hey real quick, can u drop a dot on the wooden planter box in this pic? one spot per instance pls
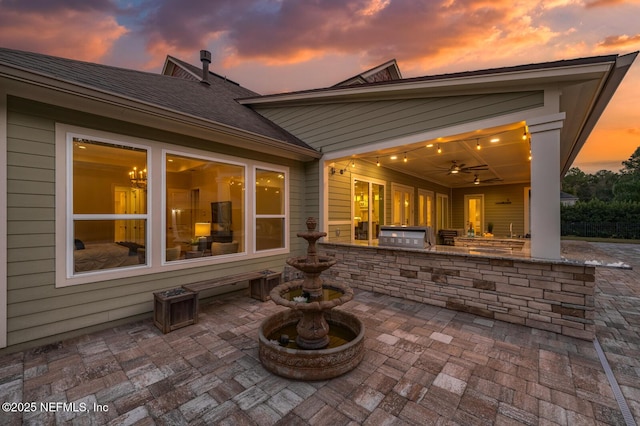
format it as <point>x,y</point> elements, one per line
<point>261,287</point>
<point>175,308</point>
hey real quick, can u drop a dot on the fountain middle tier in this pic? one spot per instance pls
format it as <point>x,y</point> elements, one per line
<point>312,283</point>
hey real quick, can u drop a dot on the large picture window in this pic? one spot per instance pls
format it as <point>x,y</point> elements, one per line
<point>136,206</point>
<point>270,203</point>
<point>109,203</point>
<point>205,208</point>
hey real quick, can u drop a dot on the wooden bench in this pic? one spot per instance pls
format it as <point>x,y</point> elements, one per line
<point>260,283</point>
<point>447,236</point>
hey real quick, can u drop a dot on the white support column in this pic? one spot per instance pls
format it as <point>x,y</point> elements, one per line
<point>545,186</point>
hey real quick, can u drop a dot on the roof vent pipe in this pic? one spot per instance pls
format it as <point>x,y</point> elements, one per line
<point>205,58</point>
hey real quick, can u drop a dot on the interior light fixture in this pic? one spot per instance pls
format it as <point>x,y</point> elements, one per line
<point>439,149</point>
<point>529,155</point>
<point>494,140</point>
<point>405,157</point>
<point>429,145</point>
<point>394,157</point>
<point>476,181</point>
<point>478,147</point>
<point>524,134</point>
<point>353,163</point>
<point>377,162</point>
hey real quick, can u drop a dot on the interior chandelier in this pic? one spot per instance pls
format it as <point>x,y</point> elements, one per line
<point>138,178</point>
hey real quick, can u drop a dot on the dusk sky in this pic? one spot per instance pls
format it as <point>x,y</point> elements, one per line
<point>274,46</point>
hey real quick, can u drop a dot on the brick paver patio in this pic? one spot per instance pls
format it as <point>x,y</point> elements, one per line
<point>423,365</point>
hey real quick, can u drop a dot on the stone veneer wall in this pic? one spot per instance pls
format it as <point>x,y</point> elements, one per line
<point>548,295</point>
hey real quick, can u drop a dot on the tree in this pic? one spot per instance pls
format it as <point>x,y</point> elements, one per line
<point>576,182</point>
<point>627,188</point>
<point>632,165</point>
<point>602,185</point>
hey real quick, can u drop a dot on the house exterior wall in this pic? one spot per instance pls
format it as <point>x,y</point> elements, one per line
<point>37,308</point>
<point>547,295</point>
<point>337,126</point>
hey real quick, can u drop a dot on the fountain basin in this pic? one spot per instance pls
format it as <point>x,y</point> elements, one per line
<point>305,364</point>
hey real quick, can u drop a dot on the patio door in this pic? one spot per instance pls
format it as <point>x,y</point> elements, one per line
<point>425,207</point>
<point>402,205</point>
<point>368,209</point>
<point>442,211</point>
<point>474,213</point>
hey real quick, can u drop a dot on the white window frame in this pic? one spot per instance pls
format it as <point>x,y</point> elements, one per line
<point>255,216</point>
<point>212,157</point>
<point>156,202</point>
<point>65,274</point>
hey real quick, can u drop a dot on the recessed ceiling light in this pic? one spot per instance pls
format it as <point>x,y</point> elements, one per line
<point>429,145</point>
<point>394,157</point>
<point>494,140</point>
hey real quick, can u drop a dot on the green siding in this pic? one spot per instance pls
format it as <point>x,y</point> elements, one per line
<point>495,210</point>
<point>39,310</point>
<point>338,126</point>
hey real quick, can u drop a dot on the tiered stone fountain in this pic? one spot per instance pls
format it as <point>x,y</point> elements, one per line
<point>310,341</point>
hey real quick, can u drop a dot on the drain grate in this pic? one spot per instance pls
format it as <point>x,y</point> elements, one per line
<point>617,392</point>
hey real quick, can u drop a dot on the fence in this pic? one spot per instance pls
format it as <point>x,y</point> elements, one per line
<point>624,230</point>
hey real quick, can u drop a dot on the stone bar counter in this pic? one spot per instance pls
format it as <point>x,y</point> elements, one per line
<point>555,296</point>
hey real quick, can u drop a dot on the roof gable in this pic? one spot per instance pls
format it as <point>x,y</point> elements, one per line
<point>384,72</point>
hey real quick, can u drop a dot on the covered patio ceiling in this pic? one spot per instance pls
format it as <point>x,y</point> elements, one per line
<point>503,158</point>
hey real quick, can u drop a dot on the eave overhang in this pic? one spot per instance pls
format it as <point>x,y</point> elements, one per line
<point>448,84</point>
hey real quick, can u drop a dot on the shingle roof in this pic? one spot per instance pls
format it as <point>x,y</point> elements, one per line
<point>215,102</point>
<point>465,74</point>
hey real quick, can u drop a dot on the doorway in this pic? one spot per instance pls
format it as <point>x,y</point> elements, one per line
<point>402,197</point>
<point>129,201</point>
<point>368,209</point>
<point>442,211</point>
<point>425,207</point>
<point>474,213</point>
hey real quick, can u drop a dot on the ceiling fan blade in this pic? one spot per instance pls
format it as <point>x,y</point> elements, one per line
<point>478,167</point>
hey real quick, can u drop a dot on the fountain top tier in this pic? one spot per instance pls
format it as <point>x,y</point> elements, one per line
<point>312,264</point>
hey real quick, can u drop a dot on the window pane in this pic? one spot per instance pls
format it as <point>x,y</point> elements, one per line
<point>269,192</point>
<point>108,179</point>
<point>207,193</point>
<point>269,233</point>
<point>108,244</point>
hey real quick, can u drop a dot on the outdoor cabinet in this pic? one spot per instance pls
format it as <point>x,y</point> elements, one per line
<point>175,308</point>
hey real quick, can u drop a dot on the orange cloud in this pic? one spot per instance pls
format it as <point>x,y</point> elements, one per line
<point>618,41</point>
<point>73,34</point>
<point>603,3</point>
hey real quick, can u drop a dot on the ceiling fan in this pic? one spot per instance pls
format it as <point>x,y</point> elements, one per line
<point>463,168</point>
<point>476,180</point>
